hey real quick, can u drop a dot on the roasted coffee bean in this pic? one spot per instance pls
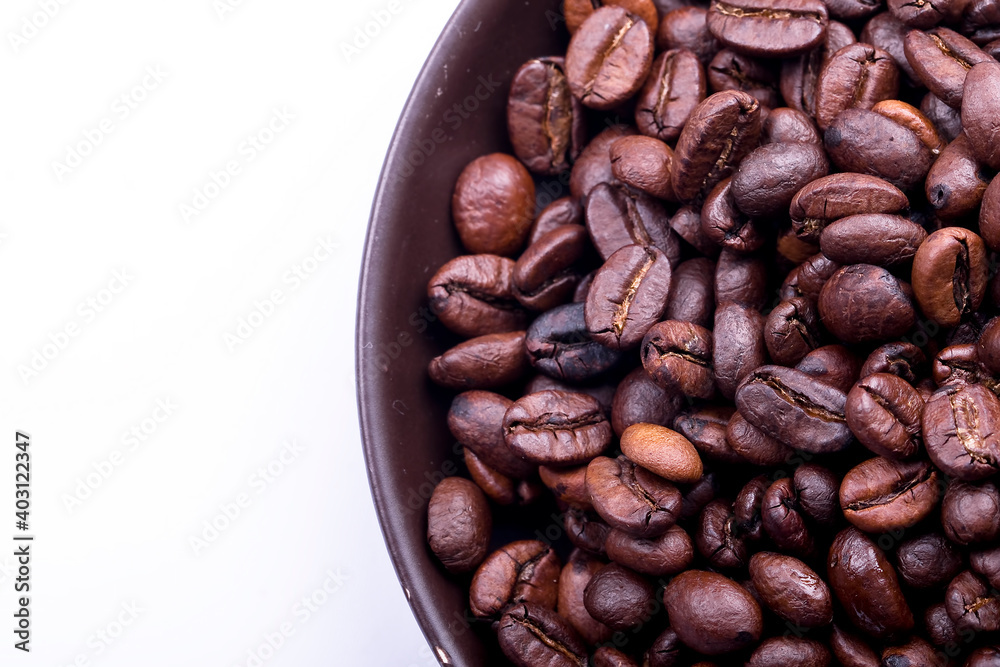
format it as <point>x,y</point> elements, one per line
<point>941,59</point>
<point>699,494</point>
<point>970,513</point>
<point>665,651</point>
<point>948,121</point>
<point>494,205</point>
<point>768,29</point>
<point>882,495</point>
<point>726,225</point>
<point>594,164</point>
<point>545,122</point>
<point>856,76</point>
<point>692,292</point>
<point>662,451</point>
<point>740,279</point>
<point>568,485</point>
<point>817,488</point>
<point>706,430</point>
<point>604,393</point>
<point>639,399</point>
<point>956,184</point>
<point>783,651</point>
<point>886,32</point>
<point>884,411</point>
<point>872,238</point>
<point>807,279</point>
<point>950,274</point>
<point>940,628</point>
<point>850,650</point>
<point>678,355</point>
<point>862,303</point>
<point>986,563</point>
<point>484,362</point>
<point>544,275</point>
<point>791,589</point>
<point>711,613</point>
<point>573,580</point>
<point>530,635</point>
<point>499,488</point>
<point>865,583</point>
<point>729,70</point>
<point>914,652</point>
<point>971,604</point>
<point>754,445</point>
<point>852,9</point>
<point>792,331</point>
<point>747,507</point>
<point>475,418</point>
<point>739,345</point>
<point>631,498</point>
<point>628,296</point>
<point>923,15</point>
<point>980,20</point>
<point>720,131</point>
<point>687,223</point>
<point>960,426</point>
<point>586,531</point>
<point>606,656</point>
<point>770,176</point>
<point>559,344</point>
<point>988,346</point>
<point>459,524</point>
<point>665,555</point>
<point>794,408</point>
<point>783,520</point>
<point>904,360</point>
<point>785,125</point>
<point>618,597</point>
<point>870,143</point>
<point>799,75</point>
<point>563,211</point>
<point>794,249</point>
<point>980,109</point>
<point>830,198</point>
<point>609,57</point>
<point>618,216</point>
<point>556,427</point>
<point>686,27</point>
<point>523,571</point>
<point>643,163</point>
<point>956,363</point>
<point>987,656</point>
<point>676,85</point>
<point>473,295</point>
<point>992,49</point>
<point>834,365</point>
<point>578,11</point>
<point>718,536</point>
<point>928,561</point>
<point>989,215</point>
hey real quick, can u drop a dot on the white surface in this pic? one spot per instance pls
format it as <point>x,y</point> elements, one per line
<point>151,353</point>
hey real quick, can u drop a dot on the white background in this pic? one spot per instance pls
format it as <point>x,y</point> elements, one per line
<point>117,301</point>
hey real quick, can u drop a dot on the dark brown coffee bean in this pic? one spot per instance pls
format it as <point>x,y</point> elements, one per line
<point>578,11</point>
<point>970,513</point>
<point>794,249</point>
<point>747,507</point>
<point>865,583</point>
<point>604,393</point>
<point>791,589</point>
<point>817,490</point>
<point>941,59</point>
<point>556,427</point>
<point>476,420</point>
<point>558,344</point>
<point>563,211</point>
<point>862,303</point>
<point>989,215</point>
<point>904,360</point>
<point>850,650</point>
<point>948,121</point>
<point>768,29</point>
<point>530,635</point>
<point>494,205</point>
<point>699,494</point>
<point>799,75</point>
<point>638,399</point>
<point>782,651</point>
<point>628,296</point>
<point>882,495</point>
<point>692,292</point>
<point>770,176</point>
<point>852,9</point>
<point>941,629</point>
<point>687,28</point>
<point>662,451</point>
<point>586,531</point>
<point>687,223</point>
<point>618,216</point>
<point>950,274</point>
<point>754,445</point>
<point>606,656</point>
<point>729,70</point>
<point>568,485</point>
<point>980,20</point>
<point>980,109</point>
<point>573,580</point>
<point>786,125</point>
<point>928,561</point>
<point>712,614</point>
<point>792,331</point>
<point>870,143</point>
<point>856,76</point>
<point>872,238</point>
<point>500,488</point>
<point>544,276</point>
<point>957,363</point>
<point>720,131</point>
<point>618,597</point>
<point>739,345</point>
<point>594,164</point>
<point>794,408</point>
<point>961,429</point>
<point>459,524</point>
<point>609,57</point>
<point>741,279</point>
<point>631,498</point>
<point>665,555</point>
<point>523,571</point>
<point>784,521</point>
<point>483,362</point>
<point>808,278</point>
<point>971,604</point>
<point>643,163</point>
<point>544,120</point>
<point>986,656</point>
<point>992,49</point>
<point>988,346</point>
<point>987,563</point>
<point>706,430</point>
<point>834,365</point>
<point>718,536</point>
<point>676,85</point>
<point>884,31</point>
<point>914,652</point>
<point>884,411</point>
<point>956,183</point>
<point>473,295</point>
<point>830,198</point>
<point>679,355</point>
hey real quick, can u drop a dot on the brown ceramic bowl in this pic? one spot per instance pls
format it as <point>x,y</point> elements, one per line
<point>406,441</point>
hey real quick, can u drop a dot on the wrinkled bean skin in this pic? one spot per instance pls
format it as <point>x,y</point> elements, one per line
<point>800,75</point>
<point>484,362</point>
<point>862,303</point>
<point>971,605</point>
<point>473,295</point>
<point>533,635</point>
<point>868,143</point>
<point>873,238</point>
<point>692,292</point>
<point>882,495</point>
<point>729,70</point>
<point>791,589</point>
<point>739,345</point>
<point>783,521</point>
<point>631,498</point>
<point>556,427</point>
<point>770,176</point>
<point>726,225</point>
<point>619,216</point>
<point>941,629</point>
<point>741,279</point>
<point>904,360</point>
<point>783,651</point>
<point>606,656</point>
<point>639,399</point>
<point>678,355</point>
<point>960,428</point>
<point>970,513</point>
<point>523,571</point>
<point>768,29</point>
<point>675,86</point>
<point>558,344</point>
<point>865,583</point>
<point>665,555</point>
<point>856,76</point>
<point>836,196</point>
<point>981,110</point>
<point>576,574</point>
<point>586,531</point>
<point>544,276</point>
<point>884,413</point>
<point>941,59</point>
<point>850,650</point>
<point>956,183</point>
<point>493,205</point>
<point>712,614</point>
<point>717,536</point>
<point>747,508</point>
<point>792,331</point>
<point>459,524</point>
<point>618,597</point>
<point>988,346</point>
<point>950,274</point>
<point>643,163</point>
<point>886,32</point>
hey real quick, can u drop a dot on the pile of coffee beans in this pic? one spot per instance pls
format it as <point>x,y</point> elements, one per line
<point>731,395</point>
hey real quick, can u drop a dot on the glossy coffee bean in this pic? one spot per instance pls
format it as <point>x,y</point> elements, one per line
<point>558,344</point>
<point>782,651</point>
<point>791,589</point>
<point>941,59</point>
<point>739,345</point>
<point>768,29</point>
<point>544,275</point>
<point>523,571</point>
<point>834,365</point>
<point>863,302</point>
<point>882,495</point>
<point>665,651</point>
<point>869,143</point>
<point>609,57</point>
<point>989,215</point>
<point>618,597</point>
<point>784,520</point>
<point>556,427</point>
<point>578,11</point>
<point>711,613</point>
<point>856,76</point>
<point>562,211</point>
<point>692,292</point>
<point>950,274</point>
<point>988,346</point>
<point>675,86</point>
<point>678,355</point>
<point>459,524</point>
<point>799,75</point>
<point>872,238</point>
<point>960,427</point>
<point>852,9</point>
<point>808,278</point>
<point>915,652</point>
<point>475,419</point>
<point>573,579</point>
<point>928,561</point>
<point>730,70</point>
<point>687,223</point>
<point>886,32</point>
<point>830,198</point>
<point>884,413</point>
<point>545,122</point>
<point>618,216</point>
<point>493,205</point>
<point>606,656</point>
<point>628,295</point>
<point>698,495</point>
<point>530,634</point>
<point>594,164</point>
<point>705,428</point>
<point>666,555</point>
<point>725,225</point>
<point>500,488</point>
<point>904,360</point>
<point>850,650</point>
<point>971,605</point>
<point>638,399</point>
<point>770,176</point>
<point>793,249</point>
<point>483,362</point>
<point>986,656</point>
<point>754,445</point>
<point>747,507</point>
<point>662,451</point>
<point>741,279</point>
<point>786,125</point>
<point>941,630</point>
<point>817,490</point>
<point>947,120</point>
<point>792,331</point>
<point>718,537</point>
<point>970,513</point>
<point>980,109</point>
<point>586,531</point>
<point>956,363</point>
<point>979,21</point>
<point>865,583</point>
<point>956,183</point>
<point>923,15</point>
<point>644,164</point>
<point>568,485</point>
<point>632,499</point>
<point>473,295</point>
